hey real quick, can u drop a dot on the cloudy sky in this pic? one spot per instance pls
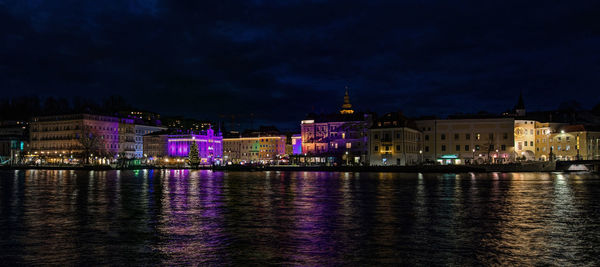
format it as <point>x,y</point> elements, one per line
<point>283,59</point>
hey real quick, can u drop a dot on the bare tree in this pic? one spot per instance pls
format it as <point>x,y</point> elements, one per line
<point>91,144</point>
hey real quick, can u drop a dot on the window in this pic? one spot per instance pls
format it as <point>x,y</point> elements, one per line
<point>426,137</point>
<point>466,147</point>
<point>505,136</point>
<point>491,147</point>
<point>491,136</point>
<point>443,137</point>
<point>559,139</point>
<point>455,136</point>
<point>477,136</point>
<point>443,147</point>
<point>568,138</point>
<point>558,148</point>
<point>531,143</point>
<point>376,136</point>
<point>426,149</point>
<point>477,147</point>
<point>531,132</point>
<point>503,147</point>
<point>457,147</point>
<point>468,136</point>
<point>376,148</point>
<point>525,143</point>
<point>398,135</point>
<point>397,147</point>
<point>567,148</point>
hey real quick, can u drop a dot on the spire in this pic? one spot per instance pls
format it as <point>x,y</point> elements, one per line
<point>520,107</point>
<point>346,107</point>
<point>520,104</point>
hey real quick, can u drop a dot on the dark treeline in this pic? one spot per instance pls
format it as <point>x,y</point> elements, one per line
<point>25,107</point>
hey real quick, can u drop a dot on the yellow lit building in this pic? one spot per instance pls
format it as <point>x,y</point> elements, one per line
<point>244,150</point>
<point>525,136</point>
<point>574,142</point>
<point>543,139</point>
<point>393,140</point>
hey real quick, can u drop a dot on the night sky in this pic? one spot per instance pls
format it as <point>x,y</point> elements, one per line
<point>283,59</point>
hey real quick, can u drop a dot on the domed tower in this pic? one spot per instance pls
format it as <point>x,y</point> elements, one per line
<point>346,107</point>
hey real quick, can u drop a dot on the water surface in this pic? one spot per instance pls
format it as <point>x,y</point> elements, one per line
<point>166,217</point>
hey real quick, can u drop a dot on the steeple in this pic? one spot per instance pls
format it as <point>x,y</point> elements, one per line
<point>520,107</point>
<point>346,107</point>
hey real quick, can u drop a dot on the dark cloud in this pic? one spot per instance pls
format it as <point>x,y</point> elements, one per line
<point>283,59</point>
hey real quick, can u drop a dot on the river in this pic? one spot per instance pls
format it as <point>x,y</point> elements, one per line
<point>170,217</point>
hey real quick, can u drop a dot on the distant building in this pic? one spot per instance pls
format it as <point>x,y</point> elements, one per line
<point>336,138</point>
<point>543,132</point>
<point>572,142</point>
<point>140,131</point>
<point>63,137</point>
<point>13,141</point>
<point>127,142</point>
<point>472,140</point>
<point>394,140</point>
<point>259,149</point>
<point>524,132</point>
<point>210,146</point>
<point>155,144</point>
<point>296,144</point>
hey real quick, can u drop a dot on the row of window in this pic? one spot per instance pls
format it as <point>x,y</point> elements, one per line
<point>468,136</point>
<point>409,148</point>
<point>407,135</point>
<point>467,148</point>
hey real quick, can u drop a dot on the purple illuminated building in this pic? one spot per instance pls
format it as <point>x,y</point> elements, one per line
<point>210,145</point>
<point>296,144</point>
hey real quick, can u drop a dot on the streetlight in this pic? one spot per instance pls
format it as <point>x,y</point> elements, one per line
<point>497,156</point>
<point>421,155</point>
<point>473,158</point>
<point>346,158</point>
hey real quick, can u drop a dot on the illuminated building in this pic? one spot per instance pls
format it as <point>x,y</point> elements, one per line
<point>394,140</point>
<point>260,149</point>
<point>336,138</point>
<point>140,132</point>
<point>155,144</point>
<point>543,132</point>
<point>573,142</point>
<point>346,107</point>
<point>12,141</point>
<point>60,137</point>
<point>210,145</point>
<point>525,139</point>
<point>296,144</point>
<point>127,143</point>
<point>468,140</point>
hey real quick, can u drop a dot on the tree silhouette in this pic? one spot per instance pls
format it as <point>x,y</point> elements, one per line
<point>90,143</point>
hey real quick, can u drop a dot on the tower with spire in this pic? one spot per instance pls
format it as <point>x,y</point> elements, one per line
<point>346,107</point>
<point>520,107</point>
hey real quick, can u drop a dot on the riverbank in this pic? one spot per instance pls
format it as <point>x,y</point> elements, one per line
<point>538,167</point>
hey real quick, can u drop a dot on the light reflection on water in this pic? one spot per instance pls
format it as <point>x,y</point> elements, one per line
<point>169,217</point>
